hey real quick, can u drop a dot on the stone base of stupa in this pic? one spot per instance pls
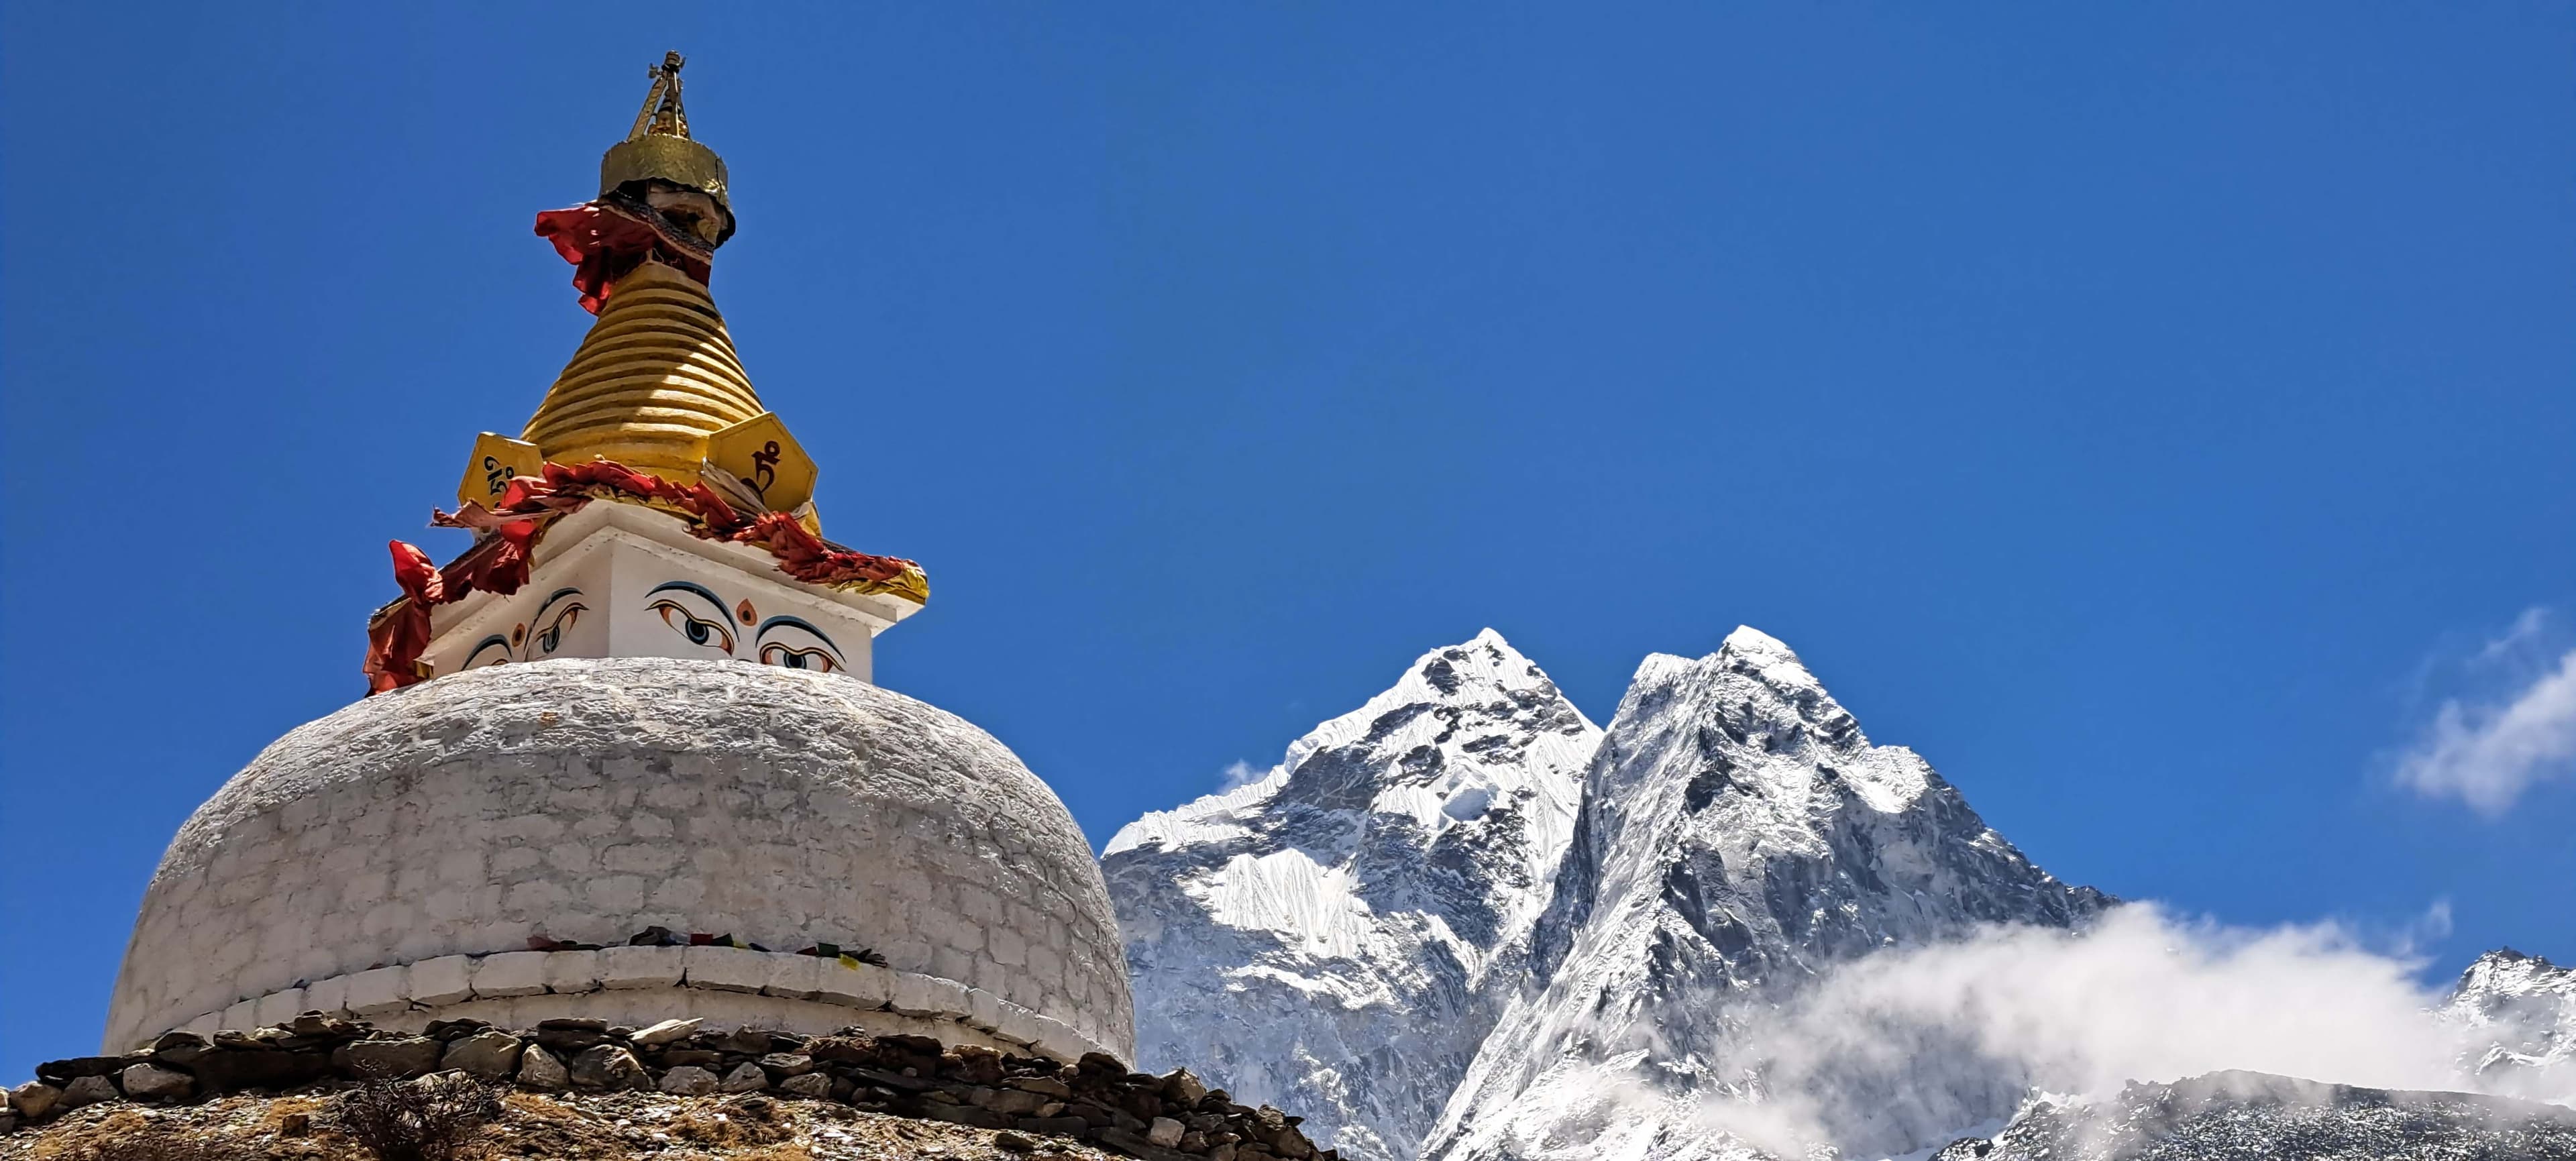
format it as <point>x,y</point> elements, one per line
<point>723,987</point>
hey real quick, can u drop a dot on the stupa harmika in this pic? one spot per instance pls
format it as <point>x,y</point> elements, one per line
<point>622,759</point>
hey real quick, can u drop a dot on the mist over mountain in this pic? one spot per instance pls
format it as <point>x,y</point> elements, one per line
<point>1460,923</point>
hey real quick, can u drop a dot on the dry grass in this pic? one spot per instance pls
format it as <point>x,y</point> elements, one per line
<point>129,1135</point>
<point>430,1119</point>
<point>787,1152</point>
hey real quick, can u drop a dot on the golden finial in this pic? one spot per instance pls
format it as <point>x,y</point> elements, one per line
<point>662,111</point>
<point>659,146</point>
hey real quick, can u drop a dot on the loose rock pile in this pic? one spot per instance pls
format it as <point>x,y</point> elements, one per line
<point>1097,1100</point>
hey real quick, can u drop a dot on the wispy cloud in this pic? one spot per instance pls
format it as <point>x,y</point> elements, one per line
<point>1239,774</point>
<point>1903,1045</point>
<point>2488,750</point>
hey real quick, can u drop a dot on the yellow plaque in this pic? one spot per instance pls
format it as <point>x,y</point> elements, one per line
<point>498,459</point>
<point>759,452</point>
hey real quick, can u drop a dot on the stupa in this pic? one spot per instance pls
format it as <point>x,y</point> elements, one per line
<point>623,758</point>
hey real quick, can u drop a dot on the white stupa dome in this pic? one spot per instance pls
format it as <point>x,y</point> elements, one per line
<point>395,858</point>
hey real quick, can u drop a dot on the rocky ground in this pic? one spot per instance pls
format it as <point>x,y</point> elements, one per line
<point>581,1089</point>
<point>533,1126</point>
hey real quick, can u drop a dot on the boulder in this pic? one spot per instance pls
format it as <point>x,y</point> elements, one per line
<point>688,1080</point>
<point>235,1069</point>
<point>64,1072</point>
<point>538,1069</point>
<point>179,1049</point>
<point>84,1091</point>
<point>1042,1085</point>
<point>490,1054</point>
<point>664,1032</point>
<point>393,1059</point>
<point>607,1066</point>
<point>812,1084</point>
<point>35,1099</point>
<point>745,1077</point>
<point>148,1082</point>
<point>571,1035</point>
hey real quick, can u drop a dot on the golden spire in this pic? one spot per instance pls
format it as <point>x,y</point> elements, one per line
<point>654,378</point>
<point>662,112</point>
<point>659,146</point>
<point>655,385</point>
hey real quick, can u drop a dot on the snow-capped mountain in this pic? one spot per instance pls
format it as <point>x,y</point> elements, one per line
<point>1738,835</point>
<point>1338,937</point>
<point>1463,924</point>
<point>2522,1009</point>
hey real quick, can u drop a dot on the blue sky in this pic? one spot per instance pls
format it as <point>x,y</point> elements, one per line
<point>2149,415</point>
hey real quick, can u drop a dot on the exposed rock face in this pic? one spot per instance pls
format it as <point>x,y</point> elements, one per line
<point>2524,1008</point>
<point>1339,936</point>
<point>1739,835</point>
<point>2251,1116</point>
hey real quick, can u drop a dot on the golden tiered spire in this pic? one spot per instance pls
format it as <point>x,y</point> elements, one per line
<point>656,385</point>
<point>654,378</point>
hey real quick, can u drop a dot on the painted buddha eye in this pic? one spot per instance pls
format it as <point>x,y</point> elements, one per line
<point>801,646</point>
<point>699,631</point>
<point>551,637</point>
<point>815,659</point>
<point>490,651</point>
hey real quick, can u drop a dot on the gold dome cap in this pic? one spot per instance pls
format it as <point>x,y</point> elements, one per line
<point>659,146</point>
<point>654,377</point>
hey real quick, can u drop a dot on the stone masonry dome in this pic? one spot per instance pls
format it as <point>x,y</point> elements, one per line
<point>394,859</point>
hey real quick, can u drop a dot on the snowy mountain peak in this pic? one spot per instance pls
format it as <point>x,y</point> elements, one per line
<point>1760,648</point>
<point>1481,683</point>
<point>2523,1009</point>
<point>2507,970</point>
<point>1338,936</point>
<point>1739,835</point>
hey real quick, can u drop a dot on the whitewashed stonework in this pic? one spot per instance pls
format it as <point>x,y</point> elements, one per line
<point>777,991</point>
<point>623,580</point>
<point>358,858</point>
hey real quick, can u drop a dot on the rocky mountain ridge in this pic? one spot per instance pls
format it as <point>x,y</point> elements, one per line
<point>1739,835</point>
<point>1340,935</point>
<point>2523,1010</point>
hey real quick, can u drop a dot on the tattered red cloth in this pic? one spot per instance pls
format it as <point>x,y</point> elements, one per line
<point>607,239</point>
<point>500,560</point>
<point>398,634</point>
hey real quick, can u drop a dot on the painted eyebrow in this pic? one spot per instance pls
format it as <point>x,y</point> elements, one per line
<point>486,643</point>
<point>685,586</point>
<point>542,606</point>
<point>799,622</point>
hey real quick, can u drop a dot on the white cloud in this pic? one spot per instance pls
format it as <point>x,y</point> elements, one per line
<point>1239,774</point>
<point>2525,630</point>
<point>1904,1046</point>
<point>2487,751</point>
